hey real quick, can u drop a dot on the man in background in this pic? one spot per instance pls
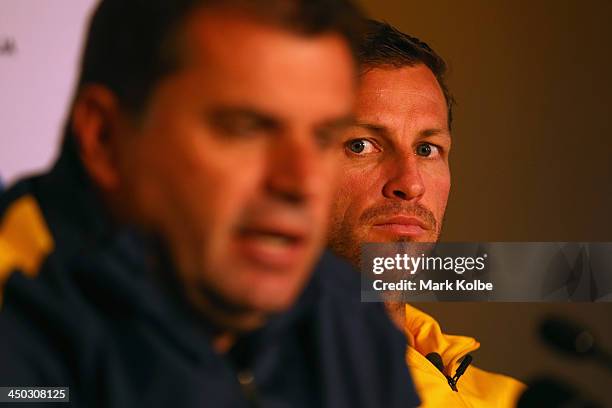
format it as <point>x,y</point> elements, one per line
<point>395,186</point>
<point>166,259</point>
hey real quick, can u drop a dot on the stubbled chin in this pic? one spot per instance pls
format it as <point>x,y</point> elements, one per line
<point>384,235</point>
<point>276,292</point>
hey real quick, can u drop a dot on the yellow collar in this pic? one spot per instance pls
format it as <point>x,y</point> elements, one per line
<point>425,336</point>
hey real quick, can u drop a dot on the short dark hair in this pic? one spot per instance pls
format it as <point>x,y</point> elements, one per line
<point>132,44</point>
<point>384,45</point>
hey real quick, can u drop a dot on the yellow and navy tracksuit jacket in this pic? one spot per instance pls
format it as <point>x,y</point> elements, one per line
<point>97,307</point>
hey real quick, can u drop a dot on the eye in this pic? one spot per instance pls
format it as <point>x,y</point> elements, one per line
<point>361,146</point>
<point>427,150</point>
<point>239,124</point>
<point>242,127</point>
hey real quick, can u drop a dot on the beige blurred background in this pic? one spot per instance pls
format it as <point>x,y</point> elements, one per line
<point>532,153</point>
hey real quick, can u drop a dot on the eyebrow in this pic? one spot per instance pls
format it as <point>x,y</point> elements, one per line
<point>384,131</point>
<point>224,115</point>
<point>340,122</point>
<point>435,132</point>
<point>239,111</point>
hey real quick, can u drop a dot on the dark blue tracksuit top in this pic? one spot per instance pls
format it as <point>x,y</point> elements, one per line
<point>106,318</point>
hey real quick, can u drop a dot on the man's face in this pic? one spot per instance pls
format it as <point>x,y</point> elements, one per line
<point>395,176</point>
<point>232,164</point>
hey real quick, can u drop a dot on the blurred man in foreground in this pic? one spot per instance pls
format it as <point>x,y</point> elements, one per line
<point>395,186</point>
<point>166,258</point>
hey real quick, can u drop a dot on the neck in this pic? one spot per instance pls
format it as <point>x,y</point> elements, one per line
<point>223,342</point>
<point>225,322</point>
<point>397,313</point>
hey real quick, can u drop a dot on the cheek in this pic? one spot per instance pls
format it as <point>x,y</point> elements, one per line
<point>437,189</point>
<point>356,189</point>
<point>186,188</point>
<point>214,187</point>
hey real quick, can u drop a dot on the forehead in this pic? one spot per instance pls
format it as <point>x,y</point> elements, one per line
<point>389,93</point>
<point>241,56</point>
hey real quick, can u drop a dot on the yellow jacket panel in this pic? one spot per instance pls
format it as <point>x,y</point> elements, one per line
<point>476,388</point>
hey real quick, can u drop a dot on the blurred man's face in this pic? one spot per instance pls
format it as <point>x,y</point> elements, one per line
<point>395,176</point>
<point>233,161</point>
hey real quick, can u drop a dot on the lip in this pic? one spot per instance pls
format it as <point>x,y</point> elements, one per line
<point>252,244</point>
<point>403,220</point>
<point>402,225</point>
<point>296,231</point>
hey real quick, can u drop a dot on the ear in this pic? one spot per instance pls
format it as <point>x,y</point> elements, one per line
<point>95,124</point>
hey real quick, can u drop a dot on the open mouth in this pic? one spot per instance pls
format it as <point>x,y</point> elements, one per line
<point>271,237</point>
<point>271,247</point>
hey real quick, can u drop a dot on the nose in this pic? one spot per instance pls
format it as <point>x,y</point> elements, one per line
<point>404,179</point>
<point>294,168</point>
